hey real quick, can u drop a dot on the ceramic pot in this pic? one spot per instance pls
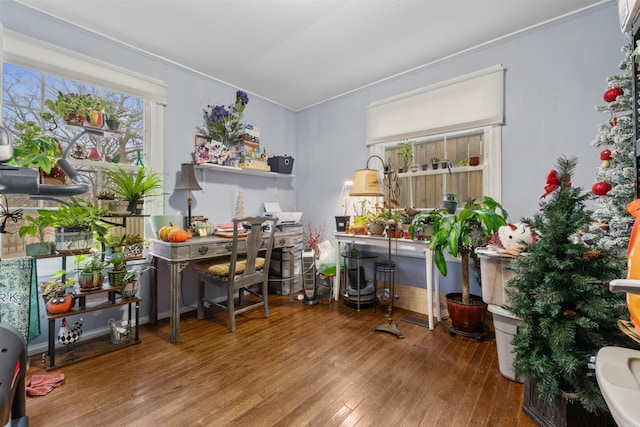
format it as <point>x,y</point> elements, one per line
<point>89,281</point>
<point>60,304</point>
<point>466,318</point>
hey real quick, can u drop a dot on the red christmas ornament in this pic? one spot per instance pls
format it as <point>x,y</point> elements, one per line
<point>605,155</point>
<point>601,188</point>
<point>612,94</point>
<point>614,120</point>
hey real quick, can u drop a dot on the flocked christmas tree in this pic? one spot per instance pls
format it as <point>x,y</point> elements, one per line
<point>560,293</point>
<point>615,177</point>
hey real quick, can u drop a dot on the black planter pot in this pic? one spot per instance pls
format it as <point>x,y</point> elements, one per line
<point>562,411</point>
<point>342,223</point>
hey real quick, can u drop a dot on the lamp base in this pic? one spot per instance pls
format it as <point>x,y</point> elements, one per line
<point>391,327</point>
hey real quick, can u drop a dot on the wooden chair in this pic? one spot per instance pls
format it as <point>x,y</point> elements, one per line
<point>242,270</point>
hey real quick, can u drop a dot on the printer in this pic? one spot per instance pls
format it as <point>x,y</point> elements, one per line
<point>272,209</point>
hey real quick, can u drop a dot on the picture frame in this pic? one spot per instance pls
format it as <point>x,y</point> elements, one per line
<point>201,149</point>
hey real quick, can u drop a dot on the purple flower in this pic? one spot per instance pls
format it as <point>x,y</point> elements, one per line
<point>219,112</point>
<point>242,97</point>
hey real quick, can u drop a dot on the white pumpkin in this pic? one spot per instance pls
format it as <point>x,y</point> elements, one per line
<point>204,228</point>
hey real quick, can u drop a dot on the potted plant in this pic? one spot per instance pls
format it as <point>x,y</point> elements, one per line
<point>406,152</point>
<point>33,149</point>
<point>560,293</point>
<point>423,224</point>
<point>435,162</point>
<point>450,202</point>
<point>71,107</point>
<point>75,224</point>
<point>91,273</point>
<point>112,117</point>
<point>130,282</point>
<point>37,227</point>
<point>459,234</point>
<point>117,274</point>
<point>134,187</point>
<point>378,222</point>
<point>113,243</point>
<point>57,294</point>
<point>134,245</point>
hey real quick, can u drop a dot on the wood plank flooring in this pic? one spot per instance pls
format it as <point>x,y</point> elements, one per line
<point>317,365</point>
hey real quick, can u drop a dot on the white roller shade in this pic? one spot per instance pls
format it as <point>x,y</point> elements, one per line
<point>472,100</point>
<point>46,57</point>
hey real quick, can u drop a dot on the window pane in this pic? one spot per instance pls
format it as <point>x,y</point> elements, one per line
<point>426,187</point>
<point>23,94</point>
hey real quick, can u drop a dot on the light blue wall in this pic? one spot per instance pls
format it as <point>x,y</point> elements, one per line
<point>555,77</point>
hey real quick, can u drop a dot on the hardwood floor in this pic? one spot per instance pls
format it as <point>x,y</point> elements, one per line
<point>317,365</point>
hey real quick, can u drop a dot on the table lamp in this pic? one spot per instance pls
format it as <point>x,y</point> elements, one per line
<point>188,182</point>
<point>366,182</point>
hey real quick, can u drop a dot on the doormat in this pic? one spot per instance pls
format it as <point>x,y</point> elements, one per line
<point>420,322</point>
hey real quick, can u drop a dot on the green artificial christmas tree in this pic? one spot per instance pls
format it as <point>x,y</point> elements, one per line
<point>615,138</point>
<point>560,292</point>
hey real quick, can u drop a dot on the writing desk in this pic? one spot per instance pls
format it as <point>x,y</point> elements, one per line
<point>179,255</point>
<point>399,247</point>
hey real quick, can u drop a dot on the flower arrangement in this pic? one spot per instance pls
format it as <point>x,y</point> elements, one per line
<point>313,236</point>
<point>222,123</point>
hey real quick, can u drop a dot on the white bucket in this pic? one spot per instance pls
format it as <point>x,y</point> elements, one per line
<point>506,326</point>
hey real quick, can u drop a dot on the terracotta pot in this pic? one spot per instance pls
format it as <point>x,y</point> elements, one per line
<point>466,318</point>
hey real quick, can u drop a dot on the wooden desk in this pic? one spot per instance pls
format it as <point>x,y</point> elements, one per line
<point>178,256</point>
<point>400,247</point>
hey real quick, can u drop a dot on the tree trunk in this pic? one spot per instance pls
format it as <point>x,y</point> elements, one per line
<point>464,256</point>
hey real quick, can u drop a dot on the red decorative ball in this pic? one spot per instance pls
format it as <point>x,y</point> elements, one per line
<point>601,188</point>
<point>612,94</point>
<point>605,155</point>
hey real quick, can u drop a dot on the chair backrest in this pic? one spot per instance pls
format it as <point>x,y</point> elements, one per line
<point>255,243</point>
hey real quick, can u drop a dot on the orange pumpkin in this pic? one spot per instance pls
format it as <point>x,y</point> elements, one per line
<point>163,233</point>
<point>178,235</point>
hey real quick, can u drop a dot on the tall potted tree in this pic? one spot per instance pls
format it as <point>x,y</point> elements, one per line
<point>459,234</point>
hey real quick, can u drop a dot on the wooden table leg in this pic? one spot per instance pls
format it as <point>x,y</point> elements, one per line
<point>175,277</point>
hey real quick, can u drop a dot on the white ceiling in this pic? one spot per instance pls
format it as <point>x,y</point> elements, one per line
<point>302,52</point>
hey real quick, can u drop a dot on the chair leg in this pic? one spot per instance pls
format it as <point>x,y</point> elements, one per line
<point>200,311</point>
<point>231,308</point>
<point>265,297</point>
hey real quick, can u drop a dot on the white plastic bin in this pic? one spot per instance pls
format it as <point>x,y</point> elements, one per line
<point>494,277</point>
<point>506,326</point>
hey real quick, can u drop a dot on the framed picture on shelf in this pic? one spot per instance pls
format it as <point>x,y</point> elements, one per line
<point>201,150</point>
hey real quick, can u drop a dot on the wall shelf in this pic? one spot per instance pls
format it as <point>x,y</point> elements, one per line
<point>439,171</point>
<point>241,171</point>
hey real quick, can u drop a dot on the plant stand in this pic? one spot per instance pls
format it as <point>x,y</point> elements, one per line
<point>563,411</point>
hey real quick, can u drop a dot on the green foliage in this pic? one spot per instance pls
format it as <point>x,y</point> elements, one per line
<point>95,263</point>
<point>37,225</point>
<point>406,152</point>
<point>134,186</point>
<point>33,149</point>
<point>560,293</point>
<point>73,105</point>
<point>80,215</point>
<point>463,231</point>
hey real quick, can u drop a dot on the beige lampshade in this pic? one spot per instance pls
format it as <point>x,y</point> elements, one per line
<point>366,182</point>
<point>188,179</point>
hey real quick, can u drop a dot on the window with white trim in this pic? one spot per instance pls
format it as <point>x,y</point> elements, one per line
<point>33,71</point>
<point>458,121</point>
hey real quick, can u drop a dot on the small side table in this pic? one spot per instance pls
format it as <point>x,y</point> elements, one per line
<point>358,255</point>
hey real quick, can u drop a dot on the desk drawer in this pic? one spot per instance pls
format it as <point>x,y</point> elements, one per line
<point>282,240</point>
<point>225,248</point>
